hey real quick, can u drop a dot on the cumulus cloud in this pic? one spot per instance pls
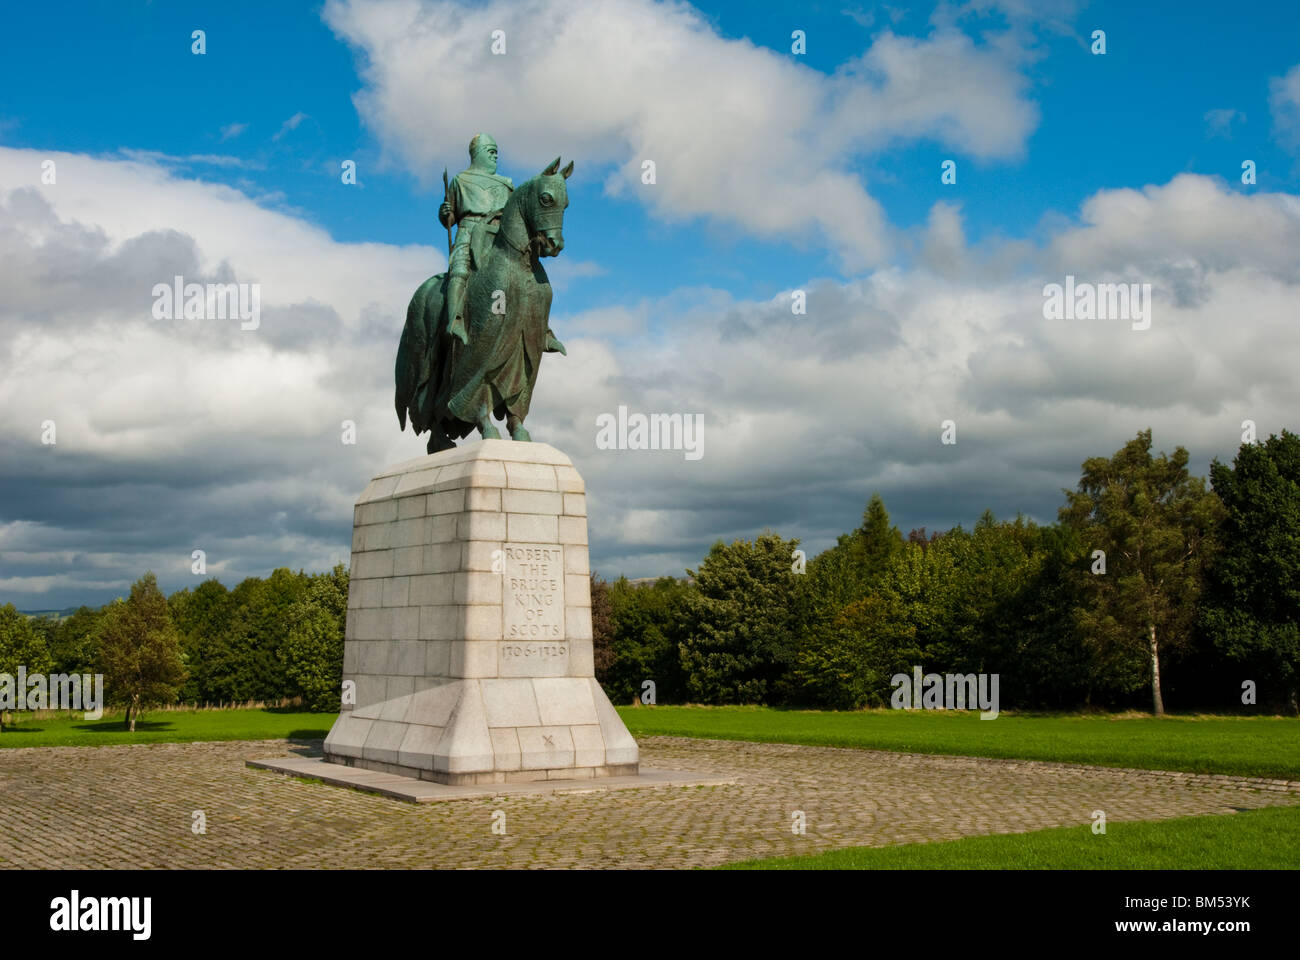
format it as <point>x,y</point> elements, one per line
<point>182,435</point>
<point>1284,104</point>
<point>173,435</point>
<point>737,132</point>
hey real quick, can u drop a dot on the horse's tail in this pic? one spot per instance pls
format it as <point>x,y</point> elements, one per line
<point>415,361</point>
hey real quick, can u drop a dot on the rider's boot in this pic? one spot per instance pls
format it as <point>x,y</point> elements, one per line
<point>456,308</point>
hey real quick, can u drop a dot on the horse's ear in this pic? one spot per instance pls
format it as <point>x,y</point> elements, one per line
<point>550,171</point>
<point>568,170</point>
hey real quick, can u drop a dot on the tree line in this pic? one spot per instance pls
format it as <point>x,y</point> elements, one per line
<point>273,639</point>
<point>1152,587</point>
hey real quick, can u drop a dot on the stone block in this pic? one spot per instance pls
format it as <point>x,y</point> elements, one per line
<point>531,528</point>
<point>446,501</point>
<point>510,703</point>
<point>531,476</point>
<point>396,591</point>
<point>569,481</point>
<point>410,508</point>
<point>588,745</point>
<point>473,659</point>
<point>572,530</point>
<point>577,560</point>
<point>564,701</point>
<point>543,748</point>
<point>482,525</point>
<point>505,748</point>
<point>532,501</point>
<point>406,623</point>
<point>577,590</point>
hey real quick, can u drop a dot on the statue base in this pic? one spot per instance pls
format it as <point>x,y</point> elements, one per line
<point>468,652</point>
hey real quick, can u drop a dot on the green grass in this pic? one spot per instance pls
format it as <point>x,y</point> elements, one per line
<point>1239,746</point>
<point>1267,839</point>
<point>169,726</point>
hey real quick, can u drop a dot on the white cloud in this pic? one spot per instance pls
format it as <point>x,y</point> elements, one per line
<point>738,132</point>
<point>180,435</point>
<point>291,124</point>
<point>1218,122</point>
<point>1284,104</point>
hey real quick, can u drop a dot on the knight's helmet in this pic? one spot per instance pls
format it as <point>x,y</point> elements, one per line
<point>479,146</point>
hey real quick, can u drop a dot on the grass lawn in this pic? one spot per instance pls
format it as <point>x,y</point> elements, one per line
<point>1239,746</point>
<point>168,726</point>
<point>1267,839</point>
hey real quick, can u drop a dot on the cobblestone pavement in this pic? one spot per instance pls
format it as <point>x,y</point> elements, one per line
<point>132,806</point>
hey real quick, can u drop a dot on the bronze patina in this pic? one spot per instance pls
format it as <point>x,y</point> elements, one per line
<point>475,335</point>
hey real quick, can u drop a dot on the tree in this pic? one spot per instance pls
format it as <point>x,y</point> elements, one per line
<point>140,650</point>
<point>875,543</point>
<point>602,628</point>
<point>203,621</point>
<point>1252,612</point>
<point>21,645</point>
<point>742,616</point>
<point>1153,522</point>
<point>649,625</point>
<point>313,644</point>
<point>74,643</point>
<point>847,662</point>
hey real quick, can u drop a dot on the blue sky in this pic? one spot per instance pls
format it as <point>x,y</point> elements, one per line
<point>1055,147</point>
<point>1131,117</point>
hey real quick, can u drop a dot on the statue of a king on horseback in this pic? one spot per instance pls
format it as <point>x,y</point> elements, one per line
<point>475,335</point>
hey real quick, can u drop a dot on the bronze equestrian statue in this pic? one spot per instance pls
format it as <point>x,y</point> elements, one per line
<point>458,368</point>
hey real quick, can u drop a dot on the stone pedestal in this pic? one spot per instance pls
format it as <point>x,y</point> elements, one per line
<point>469,647</point>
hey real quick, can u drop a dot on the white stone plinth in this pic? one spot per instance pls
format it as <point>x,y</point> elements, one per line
<point>469,644</point>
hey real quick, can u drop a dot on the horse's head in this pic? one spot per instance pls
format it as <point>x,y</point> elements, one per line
<point>543,209</point>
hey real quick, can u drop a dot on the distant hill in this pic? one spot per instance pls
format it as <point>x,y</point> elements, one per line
<point>52,614</point>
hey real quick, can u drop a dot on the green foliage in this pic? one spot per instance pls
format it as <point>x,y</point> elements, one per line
<point>1252,614</point>
<point>1154,522</point>
<point>648,626</point>
<point>846,663</point>
<point>313,647</point>
<point>21,645</point>
<point>741,622</point>
<point>74,642</point>
<point>203,619</point>
<point>602,630</point>
<point>139,650</point>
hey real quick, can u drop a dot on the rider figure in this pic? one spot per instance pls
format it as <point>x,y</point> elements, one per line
<point>474,201</point>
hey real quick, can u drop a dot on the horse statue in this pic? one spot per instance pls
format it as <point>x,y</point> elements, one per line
<point>449,384</point>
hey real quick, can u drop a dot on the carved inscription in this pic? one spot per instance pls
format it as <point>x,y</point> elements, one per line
<point>533,618</point>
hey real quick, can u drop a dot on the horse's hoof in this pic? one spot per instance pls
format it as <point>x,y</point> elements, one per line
<point>491,433</point>
<point>520,434</point>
